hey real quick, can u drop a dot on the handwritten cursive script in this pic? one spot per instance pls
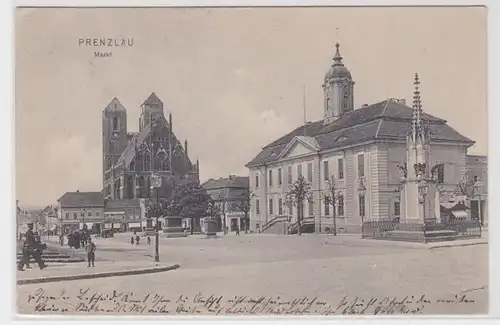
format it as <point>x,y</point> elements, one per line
<point>88,300</point>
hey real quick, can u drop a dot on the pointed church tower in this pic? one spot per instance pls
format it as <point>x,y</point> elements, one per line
<point>114,141</point>
<point>420,194</point>
<point>338,89</point>
<point>151,109</point>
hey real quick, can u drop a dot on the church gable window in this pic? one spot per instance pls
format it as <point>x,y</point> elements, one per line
<point>115,123</point>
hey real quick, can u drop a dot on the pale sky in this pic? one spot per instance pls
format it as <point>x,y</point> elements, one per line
<point>232,79</point>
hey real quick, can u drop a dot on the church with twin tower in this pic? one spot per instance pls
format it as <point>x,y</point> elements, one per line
<point>388,160</point>
<point>131,158</point>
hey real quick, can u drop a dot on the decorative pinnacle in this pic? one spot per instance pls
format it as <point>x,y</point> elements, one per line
<point>337,59</point>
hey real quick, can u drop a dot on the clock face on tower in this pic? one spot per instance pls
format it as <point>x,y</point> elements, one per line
<point>115,135</point>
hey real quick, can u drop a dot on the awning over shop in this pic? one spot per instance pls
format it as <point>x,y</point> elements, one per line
<point>144,223</point>
<point>89,224</point>
<point>134,225</point>
<point>108,225</point>
<point>117,226</point>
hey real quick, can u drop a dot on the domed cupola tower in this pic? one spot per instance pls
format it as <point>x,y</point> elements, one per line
<point>338,89</point>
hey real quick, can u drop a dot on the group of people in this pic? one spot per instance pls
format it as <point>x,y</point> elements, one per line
<point>137,239</point>
<point>32,246</point>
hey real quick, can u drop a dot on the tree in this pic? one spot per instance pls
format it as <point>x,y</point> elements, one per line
<point>189,200</point>
<point>466,187</point>
<point>222,208</point>
<point>333,196</point>
<point>244,205</point>
<point>299,192</point>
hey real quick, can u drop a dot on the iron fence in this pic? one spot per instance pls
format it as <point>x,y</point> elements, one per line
<point>415,231</point>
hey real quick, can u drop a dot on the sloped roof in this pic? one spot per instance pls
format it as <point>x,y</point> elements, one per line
<point>459,207</point>
<point>153,99</point>
<point>122,204</point>
<point>227,182</point>
<point>115,105</point>
<point>81,199</point>
<point>387,119</point>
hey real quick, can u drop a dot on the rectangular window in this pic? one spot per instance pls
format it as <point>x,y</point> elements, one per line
<point>75,215</point>
<point>327,206</point>
<point>326,171</point>
<point>341,168</point>
<point>97,213</point>
<point>290,178</point>
<point>280,180</point>
<point>440,174</point>
<point>299,171</point>
<point>361,165</point>
<point>311,208</point>
<point>256,180</point>
<point>67,215</point>
<point>361,206</point>
<point>271,206</point>
<point>280,206</point>
<point>270,177</point>
<point>340,206</point>
<point>397,208</point>
<point>310,172</point>
<point>257,206</point>
<point>89,214</point>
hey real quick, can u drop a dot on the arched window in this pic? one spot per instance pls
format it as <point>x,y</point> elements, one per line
<point>115,123</point>
<point>130,187</point>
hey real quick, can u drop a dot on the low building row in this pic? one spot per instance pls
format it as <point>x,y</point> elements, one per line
<point>76,209</point>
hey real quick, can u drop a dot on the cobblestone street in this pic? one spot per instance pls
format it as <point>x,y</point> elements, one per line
<point>291,267</point>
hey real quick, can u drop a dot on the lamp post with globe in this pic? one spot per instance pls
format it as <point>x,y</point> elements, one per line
<point>362,193</point>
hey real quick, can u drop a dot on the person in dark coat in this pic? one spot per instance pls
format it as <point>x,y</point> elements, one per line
<point>132,240</point>
<point>31,248</point>
<point>149,240</point>
<point>237,231</point>
<point>90,252</point>
<point>137,238</point>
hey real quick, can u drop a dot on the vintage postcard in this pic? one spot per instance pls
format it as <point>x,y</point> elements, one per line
<point>324,161</point>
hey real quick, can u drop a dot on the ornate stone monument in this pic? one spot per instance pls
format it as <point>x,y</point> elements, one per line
<point>420,193</point>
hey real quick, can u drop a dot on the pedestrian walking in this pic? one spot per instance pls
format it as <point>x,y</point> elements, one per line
<point>90,252</point>
<point>31,248</point>
<point>137,238</point>
<point>237,231</point>
<point>132,240</point>
<point>61,239</point>
<point>149,240</point>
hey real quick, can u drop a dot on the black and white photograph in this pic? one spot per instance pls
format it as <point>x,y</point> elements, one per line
<point>251,161</point>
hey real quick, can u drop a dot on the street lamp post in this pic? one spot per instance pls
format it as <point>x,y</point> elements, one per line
<point>362,193</point>
<point>155,184</point>
<point>83,218</point>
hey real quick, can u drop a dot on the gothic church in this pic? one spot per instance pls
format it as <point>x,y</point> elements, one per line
<point>131,158</point>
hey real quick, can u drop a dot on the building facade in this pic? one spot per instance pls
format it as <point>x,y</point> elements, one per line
<point>360,148</point>
<point>76,209</point>
<point>228,193</point>
<point>477,169</point>
<point>131,158</point>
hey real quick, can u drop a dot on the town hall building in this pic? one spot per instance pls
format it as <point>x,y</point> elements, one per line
<point>363,150</point>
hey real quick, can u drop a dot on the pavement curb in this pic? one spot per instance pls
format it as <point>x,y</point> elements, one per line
<point>459,245</point>
<point>97,275</point>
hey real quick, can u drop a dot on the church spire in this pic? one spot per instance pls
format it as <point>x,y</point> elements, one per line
<point>337,59</point>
